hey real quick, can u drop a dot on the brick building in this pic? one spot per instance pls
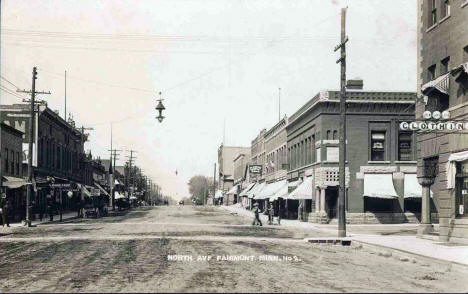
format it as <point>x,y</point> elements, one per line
<point>11,164</point>
<point>381,166</point>
<point>226,155</point>
<point>59,162</point>
<point>443,86</point>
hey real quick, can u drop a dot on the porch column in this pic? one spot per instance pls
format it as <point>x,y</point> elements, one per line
<point>317,199</point>
<point>425,226</point>
<point>322,198</point>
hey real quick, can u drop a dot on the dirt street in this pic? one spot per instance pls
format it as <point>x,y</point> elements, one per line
<point>197,249</point>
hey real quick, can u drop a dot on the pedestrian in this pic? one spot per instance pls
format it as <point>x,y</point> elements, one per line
<point>270,213</point>
<point>50,208</point>
<point>5,207</point>
<point>256,220</point>
<point>41,210</point>
<point>301,213</point>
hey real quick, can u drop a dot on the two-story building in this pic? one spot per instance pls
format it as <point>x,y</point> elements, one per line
<point>443,87</point>
<point>226,155</point>
<point>380,159</point>
<point>58,158</point>
<point>12,172</point>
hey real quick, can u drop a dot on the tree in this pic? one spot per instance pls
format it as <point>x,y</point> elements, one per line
<point>199,187</point>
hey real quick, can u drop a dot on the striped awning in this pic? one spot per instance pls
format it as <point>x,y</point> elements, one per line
<point>440,84</point>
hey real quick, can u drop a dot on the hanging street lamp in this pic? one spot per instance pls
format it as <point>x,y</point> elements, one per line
<point>160,107</point>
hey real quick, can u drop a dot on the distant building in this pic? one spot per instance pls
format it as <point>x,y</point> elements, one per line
<point>276,158</point>
<point>443,86</point>
<point>380,158</point>
<point>241,162</point>
<point>258,157</point>
<point>226,155</point>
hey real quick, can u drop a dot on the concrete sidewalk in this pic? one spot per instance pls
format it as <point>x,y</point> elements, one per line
<point>45,219</point>
<point>409,244</point>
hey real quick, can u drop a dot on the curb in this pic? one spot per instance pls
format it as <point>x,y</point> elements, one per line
<point>407,254</point>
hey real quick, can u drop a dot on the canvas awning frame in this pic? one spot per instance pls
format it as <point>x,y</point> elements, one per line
<point>101,188</point>
<point>440,84</point>
<point>246,190</point>
<point>452,167</point>
<point>233,190</point>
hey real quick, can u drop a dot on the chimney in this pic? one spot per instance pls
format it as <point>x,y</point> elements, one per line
<point>355,84</point>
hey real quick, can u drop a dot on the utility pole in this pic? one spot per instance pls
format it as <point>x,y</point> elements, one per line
<point>113,158</point>
<point>342,147</point>
<point>33,93</point>
<point>279,104</point>
<point>132,177</point>
<point>214,182</point>
<point>65,95</point>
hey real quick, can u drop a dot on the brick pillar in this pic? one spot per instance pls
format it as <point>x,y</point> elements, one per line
<point>317,200</point>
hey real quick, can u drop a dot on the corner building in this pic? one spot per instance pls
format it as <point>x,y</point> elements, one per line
<point>381,163</point>
<point>443,86</point>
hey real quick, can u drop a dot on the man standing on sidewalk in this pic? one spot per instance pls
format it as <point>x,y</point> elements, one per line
<point>5,206</point>
<point>257,220</point>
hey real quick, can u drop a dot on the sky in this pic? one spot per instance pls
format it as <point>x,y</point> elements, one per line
<point>219,65</point>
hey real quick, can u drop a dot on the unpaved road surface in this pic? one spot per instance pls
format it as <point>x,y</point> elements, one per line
<point>157,250</point>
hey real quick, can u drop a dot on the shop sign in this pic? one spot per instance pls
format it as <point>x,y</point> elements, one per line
<point>255,169</point>
<point>435,122</point>
<point>63,185</point>
<point>461,209</point>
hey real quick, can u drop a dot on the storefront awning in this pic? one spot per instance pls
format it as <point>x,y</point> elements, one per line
<point>379,186</point>
<point>303,191</point>
<point>85,191</point>
<point>440,84</point>
<point>218,194</point>
<point>460,71</point>
<point>412,187</point>
<point>13,182</point>
<point>117,195</point>
<point>452,168</point>
<point>233,190</point>
<point>294,183</point>
<point>281,193</point>
<point>249,187</point>
<point>102,189</point>
<point>255,190</point>
<point>270,190</point>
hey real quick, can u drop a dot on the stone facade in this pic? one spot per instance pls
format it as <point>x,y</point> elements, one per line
<point>443,46</point>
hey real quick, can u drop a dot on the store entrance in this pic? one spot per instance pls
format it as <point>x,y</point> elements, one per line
<point>461,192</point>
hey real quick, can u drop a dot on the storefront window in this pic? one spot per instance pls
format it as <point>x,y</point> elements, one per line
<point>462,189</point>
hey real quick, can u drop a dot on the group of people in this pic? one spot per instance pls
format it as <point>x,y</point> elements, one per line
<point>271,215</point>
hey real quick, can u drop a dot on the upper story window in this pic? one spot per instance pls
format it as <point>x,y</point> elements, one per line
<point>445,65</point>
<point>405,147</point>
<point>445,9</point>
<point>377,146</point>
<point>6,159</point>
<point>12,153</point>
<point>432,12</point>
<point>335,135</point>
<point>465,54</point>
<point>328,135</point>
<point>431,72</point>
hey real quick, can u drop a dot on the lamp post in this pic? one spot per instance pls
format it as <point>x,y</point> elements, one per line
<point>160,107</point>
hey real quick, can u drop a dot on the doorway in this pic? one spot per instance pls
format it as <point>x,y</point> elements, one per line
<point>331,201</point>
